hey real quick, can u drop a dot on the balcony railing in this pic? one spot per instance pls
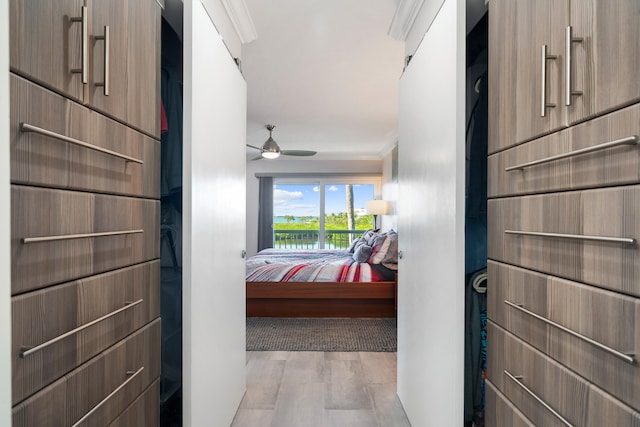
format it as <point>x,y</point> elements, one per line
<point>310,239</point>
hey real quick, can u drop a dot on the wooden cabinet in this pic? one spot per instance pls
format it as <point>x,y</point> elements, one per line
<point>98,391</point>
<point>499,411</point>
<point>545,391</point>
<point>117,160</point>
<point>604,65</point>
<point>101,310</point>
<point>105,54</point>
<point>592,330</point>
<point>601,152</point>
<point>85,214</point>
<point>46,43</point>
<point>558,63</point>
<point>564,213</point>
<point>78,233</point>
<point>133,29</point>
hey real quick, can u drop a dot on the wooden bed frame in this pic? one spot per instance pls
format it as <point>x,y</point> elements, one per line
<point>322,299</point>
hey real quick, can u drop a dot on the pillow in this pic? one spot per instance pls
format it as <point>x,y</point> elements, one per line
<point>352,247</point>
<point>362,253</point>
<point>385,252</point>
<point>367,238</point>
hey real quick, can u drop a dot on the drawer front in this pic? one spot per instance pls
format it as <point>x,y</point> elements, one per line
<point>603,213</point>
<point>98,389</point>
<point>569,396</point>
<point>499,412</point>
<point>143,412</point>
<point>607,318</point>
<point>47,160</point>
<point>616,165</point>
<point>44,316</point>
<point>38,212</point>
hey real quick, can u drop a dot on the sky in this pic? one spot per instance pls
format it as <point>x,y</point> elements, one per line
<point>304,200</point>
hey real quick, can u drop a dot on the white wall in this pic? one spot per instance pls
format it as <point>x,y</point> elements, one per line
<point>389,193</point>
<point>423,21</point>
<point>293,166</point>
<point>431,223</point>
<point>216,11</point>
<point>5,257</point>
<point>213,223</point>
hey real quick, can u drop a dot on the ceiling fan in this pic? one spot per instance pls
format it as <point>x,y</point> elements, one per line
<point>271,150</point>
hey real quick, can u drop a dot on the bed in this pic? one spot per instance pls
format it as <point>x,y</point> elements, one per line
<point>359,282</point>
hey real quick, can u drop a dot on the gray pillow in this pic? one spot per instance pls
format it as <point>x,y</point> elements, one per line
<point>362,253</point>
<point>352,247</point>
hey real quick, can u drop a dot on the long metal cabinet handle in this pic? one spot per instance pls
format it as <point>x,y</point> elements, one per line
<point>630,140</point>
<point>130,374</point>
<point>569,40</point>
<point>625,240</point>
<point>629,358</point>
<point>544,104</point>
<point>517,378</point>
<point>78,236</point>
<point>25,127</point>
<point>84,20</point>
<point>106,38</point>
<point>27,351</point>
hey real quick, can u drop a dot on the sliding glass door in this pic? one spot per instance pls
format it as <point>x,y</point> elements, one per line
<point>321,214</point>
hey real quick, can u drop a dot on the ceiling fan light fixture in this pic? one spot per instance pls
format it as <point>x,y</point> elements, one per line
<point>270,149</point>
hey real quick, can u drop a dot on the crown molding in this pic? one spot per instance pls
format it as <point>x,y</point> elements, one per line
<point>403,19</point>
<point>240,19</point>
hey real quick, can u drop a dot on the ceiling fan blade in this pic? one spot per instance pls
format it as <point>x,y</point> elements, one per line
<point>253,146</point>
<point>298,152</point>
<point>257,157</point>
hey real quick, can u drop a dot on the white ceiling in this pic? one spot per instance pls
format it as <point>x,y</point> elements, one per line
<point>326,73</point>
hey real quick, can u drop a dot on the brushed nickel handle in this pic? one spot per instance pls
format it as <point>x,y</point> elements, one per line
<point>400,254</point>
<point>105,84</point>
<point>84,20</point>
<point>25,127</point>
<point>569,40</point>
<point>78,236</point>
<point>630,140</point>
<point>27,351</point>
<point>625,240</point>
<point>130,374</point>
<point>517,379</point>
<point>544,104</point>
<point>629,358</point>
<point>243,254</point>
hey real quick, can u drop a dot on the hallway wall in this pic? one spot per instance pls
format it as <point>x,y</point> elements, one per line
<point>5,253</point>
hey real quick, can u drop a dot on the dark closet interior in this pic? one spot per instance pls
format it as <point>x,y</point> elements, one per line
<point>476,224</point>
<point>171,228</point>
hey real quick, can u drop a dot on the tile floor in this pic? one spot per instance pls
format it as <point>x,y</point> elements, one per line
<point>316,389</point>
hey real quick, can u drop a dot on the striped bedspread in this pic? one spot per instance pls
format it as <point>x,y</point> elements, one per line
<point>321,265</point>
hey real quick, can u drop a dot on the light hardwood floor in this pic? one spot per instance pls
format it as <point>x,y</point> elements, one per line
<point>316,389</point>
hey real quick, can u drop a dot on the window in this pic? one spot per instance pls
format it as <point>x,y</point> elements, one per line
<point>321,214</point>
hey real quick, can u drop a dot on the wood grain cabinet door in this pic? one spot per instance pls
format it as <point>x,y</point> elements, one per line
<point>499,411</point>
<point>588,236</point>
<point>601,152</point>
<point>47,43</point>
<point>518,74</point>
<point>592,330</point>
<point>53,238</point>
<point>604,65</point>
<point>125,59</point>
<point>99,391</point>
<point>70,323</point>
<point>521,372</point>
<point>130,166</point>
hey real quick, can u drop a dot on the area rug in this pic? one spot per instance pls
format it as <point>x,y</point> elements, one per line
<point>297,334</point>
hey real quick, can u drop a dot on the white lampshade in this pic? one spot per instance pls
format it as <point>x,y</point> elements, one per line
<point>377,207</point>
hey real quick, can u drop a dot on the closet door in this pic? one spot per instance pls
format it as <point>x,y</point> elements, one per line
<point>47,43</point>
<point>125,62</point>
<point>604,66</point>
<point>519,75</point>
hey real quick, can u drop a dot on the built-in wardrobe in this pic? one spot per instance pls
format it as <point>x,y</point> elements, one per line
<point>564,213</point>
<point>85,212</point>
